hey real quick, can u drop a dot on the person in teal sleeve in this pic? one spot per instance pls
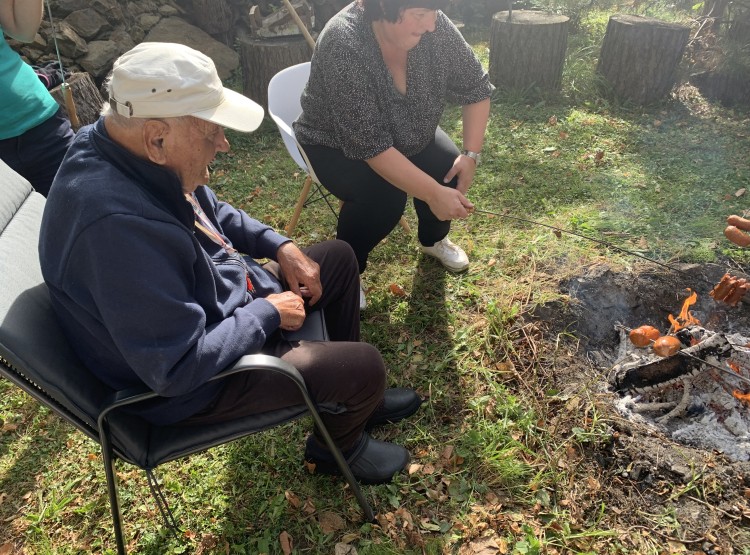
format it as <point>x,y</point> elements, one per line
<point>34,135</point>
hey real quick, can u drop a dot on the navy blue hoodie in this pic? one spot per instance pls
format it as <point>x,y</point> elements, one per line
<point>141,294</point>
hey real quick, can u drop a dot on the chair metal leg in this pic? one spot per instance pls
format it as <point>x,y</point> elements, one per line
<point>289,229</point>
<point>340,461</point>
<point>114,500</point>
<point>162,504</point>
<point>281,367</point>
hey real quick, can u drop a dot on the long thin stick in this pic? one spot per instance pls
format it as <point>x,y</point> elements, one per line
<point>67,92</point>
<point>300,24</point>
<point>588,238</point>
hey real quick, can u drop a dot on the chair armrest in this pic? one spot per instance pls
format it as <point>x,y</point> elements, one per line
<point>134,395</point>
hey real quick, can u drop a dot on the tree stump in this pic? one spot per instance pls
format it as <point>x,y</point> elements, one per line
<point>86,98</point>
<point>528,51</point>
<point>639,56</point>
<point>262,59</point>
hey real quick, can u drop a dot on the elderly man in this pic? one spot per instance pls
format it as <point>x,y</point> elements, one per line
<point>155,279</point>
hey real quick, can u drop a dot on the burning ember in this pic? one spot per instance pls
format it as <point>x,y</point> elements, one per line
<point>698,393</point>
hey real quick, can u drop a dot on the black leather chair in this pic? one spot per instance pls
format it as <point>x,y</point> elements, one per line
<point>35,355</point>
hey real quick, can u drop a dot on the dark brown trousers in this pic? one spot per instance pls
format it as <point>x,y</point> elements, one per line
<point>342,371</point>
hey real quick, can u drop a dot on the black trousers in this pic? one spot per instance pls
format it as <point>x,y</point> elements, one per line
<point>37,154</point>
<point>372,206</point>
<point>342,371</point>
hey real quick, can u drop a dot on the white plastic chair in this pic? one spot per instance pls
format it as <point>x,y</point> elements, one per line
<point>284,92</point>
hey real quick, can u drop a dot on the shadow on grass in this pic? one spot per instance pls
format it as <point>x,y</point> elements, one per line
<point>429,319</point>
<point>20,481</point>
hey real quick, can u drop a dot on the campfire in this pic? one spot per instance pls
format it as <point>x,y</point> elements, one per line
<point>692,383</point>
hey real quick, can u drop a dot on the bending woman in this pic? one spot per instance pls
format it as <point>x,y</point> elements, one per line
<point>381,75</point>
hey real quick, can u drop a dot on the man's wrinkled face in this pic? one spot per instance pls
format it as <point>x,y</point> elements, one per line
<point>191,145</point>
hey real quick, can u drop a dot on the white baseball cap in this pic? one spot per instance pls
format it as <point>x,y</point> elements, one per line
<point>164,80</point>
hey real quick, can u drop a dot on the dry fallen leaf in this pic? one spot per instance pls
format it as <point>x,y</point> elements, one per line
<point>343,548</point>
<point>330,522</point>
<point>739,192</point>
<point>397,290</point>
<point>676,547</point>
<point>309,507</point>
<point>593,484</point>
<point>310,466</point>
<point>6,549</point>
<point>349,538</point>
<point>286,542</point>
<point>552,120</point>
<point>292,498</point>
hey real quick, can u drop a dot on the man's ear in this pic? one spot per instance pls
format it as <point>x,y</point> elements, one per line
<point>153,133</point>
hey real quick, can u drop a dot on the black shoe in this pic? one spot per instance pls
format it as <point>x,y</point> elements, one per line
<point>398,403</point>
<point>372,461</point>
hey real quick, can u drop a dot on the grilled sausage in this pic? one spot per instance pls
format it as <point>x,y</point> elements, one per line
<point>741,223</point>
<point>736,236</point>
<point>733,283</point>
<point>720,290</point>
<point>738,293</point>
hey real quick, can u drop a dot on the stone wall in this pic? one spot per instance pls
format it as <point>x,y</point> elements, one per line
<point>91,34</point>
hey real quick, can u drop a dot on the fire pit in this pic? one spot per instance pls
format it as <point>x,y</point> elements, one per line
<point>698,396</point>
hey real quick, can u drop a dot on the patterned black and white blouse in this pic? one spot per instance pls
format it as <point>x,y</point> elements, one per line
<point>350,102</point>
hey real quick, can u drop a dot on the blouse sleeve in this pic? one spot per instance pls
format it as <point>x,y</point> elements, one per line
<point>468,82</point>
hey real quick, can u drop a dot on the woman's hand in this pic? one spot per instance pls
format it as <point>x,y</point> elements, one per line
<point>291,308</point>
<point>302,274</point>
<point>463,167</point>
<point>449,204</point>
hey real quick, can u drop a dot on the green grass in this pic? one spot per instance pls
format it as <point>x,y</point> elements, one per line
<point>496,448</point>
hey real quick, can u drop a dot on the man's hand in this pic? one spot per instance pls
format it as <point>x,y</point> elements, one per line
<point>302,274</point>
<point>291,308</point>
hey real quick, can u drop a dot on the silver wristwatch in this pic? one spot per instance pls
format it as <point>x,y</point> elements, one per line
<point>473,155</point>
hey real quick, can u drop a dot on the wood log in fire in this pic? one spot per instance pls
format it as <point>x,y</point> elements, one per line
<point>641,377</point>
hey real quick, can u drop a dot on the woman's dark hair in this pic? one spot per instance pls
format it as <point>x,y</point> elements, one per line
<point>390,10</point>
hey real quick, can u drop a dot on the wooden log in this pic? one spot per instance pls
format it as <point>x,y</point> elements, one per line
<point>262,59</point>
<point>639,56</point>
<point>86,97</point>
<point>528,51</point>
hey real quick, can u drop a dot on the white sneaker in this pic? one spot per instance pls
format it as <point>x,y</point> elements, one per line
<point>449,254</point>
<point>362,298</point>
